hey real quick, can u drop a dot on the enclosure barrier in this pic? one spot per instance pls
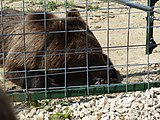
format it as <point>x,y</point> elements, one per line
<point>82,91</point>
<point>49,93</point>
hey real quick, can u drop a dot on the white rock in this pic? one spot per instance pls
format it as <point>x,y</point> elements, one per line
<point>129,106</point>
<point>113,104</point>
<point>32,112</point>
<point>85,111</point>
<point>40,116</point>
<point>110,100</point>
<point>131,99</point>
<point>81,114</point>
<point>122,110</point>
<point>105,110</point>
<point>158,97</point>
<point>92,102</point>
<point>79,108</point>
<point>143,70</point>
<point>94,117</point>
<point>156,114</point>
<point>158,110</point>
<point>75,106</point>
<point>112,117</point>
<point>58,106</point>
<point>153,65</point>
<point>105,118</point>
<point>87,104</point>
<point>86,118</point>
<point>103,102</point>
<point>22,117</point>
<point>117,118</point>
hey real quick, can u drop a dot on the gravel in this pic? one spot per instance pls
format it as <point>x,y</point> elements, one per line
<point>137,105</point>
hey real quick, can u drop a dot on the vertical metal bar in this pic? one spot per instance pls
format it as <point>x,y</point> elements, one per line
<point>2,36</point>
<point>128,40</point>
<point>87,64</point>
<point>25,66</point>
<point>150,23</point>
<point>45,47</point>
<point>108,23</point>
<point>65,75</point>
<point>149,31</point>
<point>148,35</point>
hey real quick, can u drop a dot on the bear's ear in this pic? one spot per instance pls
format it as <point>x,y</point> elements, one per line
<point>35,16</point>
<point>38,16</point>
<point>73,13</point>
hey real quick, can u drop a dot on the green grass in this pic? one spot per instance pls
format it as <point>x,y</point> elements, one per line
<point>6,7</point>
<point>37,2</point>
<point>10,1</point>
<point>38,103</point>
<point>61,115</point>
<point>69,4</point>
<point>94,8</point>
<point>51,5</point>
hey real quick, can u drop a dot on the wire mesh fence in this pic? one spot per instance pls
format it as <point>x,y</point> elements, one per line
<point>65,48</point>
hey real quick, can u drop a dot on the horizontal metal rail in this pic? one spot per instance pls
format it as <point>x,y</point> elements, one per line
<point>134,5</point>
<point>80,91</point>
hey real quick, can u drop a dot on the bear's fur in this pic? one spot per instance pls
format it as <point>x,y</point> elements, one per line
<point>42,50</point>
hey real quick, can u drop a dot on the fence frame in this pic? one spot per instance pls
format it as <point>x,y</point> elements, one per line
<point>101,89</point>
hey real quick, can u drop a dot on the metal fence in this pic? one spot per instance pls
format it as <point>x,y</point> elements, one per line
<point>52,49</point>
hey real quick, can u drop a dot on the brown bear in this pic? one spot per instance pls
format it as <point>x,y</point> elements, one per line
<point>6,111</point>
<point>43,50</point>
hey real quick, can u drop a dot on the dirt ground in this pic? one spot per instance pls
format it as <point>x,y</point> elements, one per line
<point>118,35</point>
